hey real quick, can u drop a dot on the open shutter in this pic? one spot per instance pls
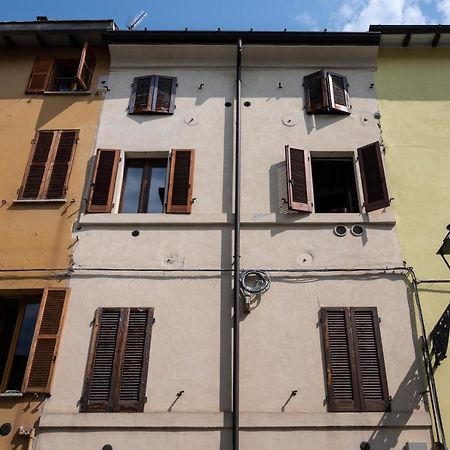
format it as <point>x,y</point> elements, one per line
<point>342,386</point>
<point>60,167</point>
<point>134,364</point>
<point>338,87</point>
<point>373,178</point>
<point>40,75</point>
<point>37,167</point>
<point>298,175</point>
<point>164,95</point>
<point>47,334</point>
<point>104,181</point>
<point>85,67</point>
<point>316,95</point>
<point>370,361</point>
<point>181,175</point>
<point>103,360</point>
<point>141,95</point>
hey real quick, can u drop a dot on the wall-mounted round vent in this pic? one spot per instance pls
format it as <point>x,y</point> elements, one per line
<point>357,230</point>
<point>107,447</point>
<point>5,429</point>
<point>340,230</point>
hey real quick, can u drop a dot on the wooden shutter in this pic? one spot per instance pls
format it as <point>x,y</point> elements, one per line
<point>342,385</point>
<point>141,95</point>
<point>372,177</point>
<point>116,371</point>
<point>164,95</point>
<point>59,171</point>
<point>298,175</point>
<point>40,75</point>
<point>104,181</point>
<point>338,88</point>
<point>316,95</point>
<point>369,359</point>
<point>47,334</point>
<point>181,175</point>
<point>85,67</point>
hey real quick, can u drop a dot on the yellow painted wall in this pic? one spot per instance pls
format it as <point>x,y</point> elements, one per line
<point>38,235</point>
<point>414,93</point>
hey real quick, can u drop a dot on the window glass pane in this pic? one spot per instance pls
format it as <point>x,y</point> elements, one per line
<point>132,189</point>
<point>9,311</point>
<point>156,193</point>
<point>23,347</point>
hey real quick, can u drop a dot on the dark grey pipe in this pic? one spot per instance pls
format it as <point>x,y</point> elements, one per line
<point>237,249</point>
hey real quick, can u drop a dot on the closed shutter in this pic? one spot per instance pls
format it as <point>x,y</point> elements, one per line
<point>164,96</point>
<point>298,174</point>
<point>40,75</point>
<point>369,358</point>
<point>316,95</point>
<point>104,181</point>
<point>47,334</point>
<point>373,178</point>
<point>60,168</point>
<point>141,95</point>
<point>342,386</point>
<point>181,175</point>
<point>85,67</point>
<point>338,87</point>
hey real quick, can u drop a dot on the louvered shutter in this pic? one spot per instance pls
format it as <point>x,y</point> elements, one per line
<point>369,359</point>
<point>338,88</point>
<point>134,364</point>
<point>32,185</point>
<point>181,175</point>
<point>85,67</point>
<point>141,95</point>
<point>104,181</point>
<point>342,386</point>
<point>44,348</point>
<point>164,95</point>
<point>298,175</point>
<point>373,178</point>
<point>40,75</point>
<point>60,167</point>
<point>316,95</point>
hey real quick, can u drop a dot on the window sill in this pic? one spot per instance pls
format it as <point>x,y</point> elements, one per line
<point>11,394</point>
<point>40,200</point>
<point>67,92</point>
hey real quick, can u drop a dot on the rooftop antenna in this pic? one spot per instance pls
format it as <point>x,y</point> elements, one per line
<point>137,20</point>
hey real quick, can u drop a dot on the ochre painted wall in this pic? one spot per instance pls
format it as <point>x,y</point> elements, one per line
<point>38,235</point>
<point>414,95</point>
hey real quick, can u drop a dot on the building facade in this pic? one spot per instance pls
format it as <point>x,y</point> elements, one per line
<point>48,122</point>
<point>327,347</point>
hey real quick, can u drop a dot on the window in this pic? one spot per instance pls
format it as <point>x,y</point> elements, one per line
<point>117,366</point>
<point>356,376</point>
<point>48,169</point>
<point>30,329</point>
<point>62,75</point>
<point>154,94</point>
<point>326,93</point>
<point>144,183</point>
<point>329,185</point>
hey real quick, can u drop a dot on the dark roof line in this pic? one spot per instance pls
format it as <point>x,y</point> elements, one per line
<point>413,29</point>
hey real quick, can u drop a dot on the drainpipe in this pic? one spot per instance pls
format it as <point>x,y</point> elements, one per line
<point>237,244</point>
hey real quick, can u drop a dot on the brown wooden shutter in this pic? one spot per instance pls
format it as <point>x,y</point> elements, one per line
<point>141,95</point>
<point>181,175</point>
<point>298,175</point>
<point>47,334</point>
<point>164,95</point>
<point>59,171</point>
<point>338,88</point>
<point>369,359</point>
<point>85,67</point>
<point>342,385</point>
<point>40,75</point>
<point>134,364</point>
<point>373,178</point>
<point>316,94</point>
<point>37,166</point>
<point>104,181</point>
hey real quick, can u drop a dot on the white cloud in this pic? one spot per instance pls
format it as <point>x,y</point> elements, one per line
<point>306,20</point>
<point>443,6</point>
<point>385,12</point>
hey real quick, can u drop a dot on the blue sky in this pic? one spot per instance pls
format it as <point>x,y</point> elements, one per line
<point>339,15</point>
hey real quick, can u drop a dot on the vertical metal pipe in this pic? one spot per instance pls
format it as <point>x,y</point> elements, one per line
<point>237,245</point>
